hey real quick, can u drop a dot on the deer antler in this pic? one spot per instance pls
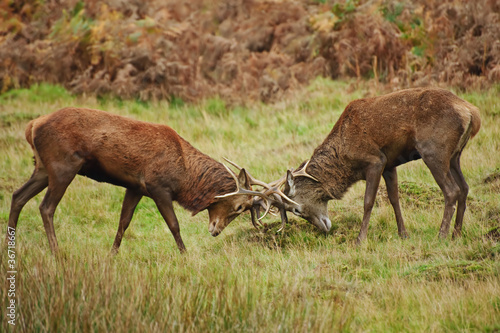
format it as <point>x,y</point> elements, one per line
<point>253,181</point>
<point>303,172</point>
<point>278,203</point>
<point>273,189</point>
<point>239,190</point>
<point>242,191</point>
<point>272,194</point>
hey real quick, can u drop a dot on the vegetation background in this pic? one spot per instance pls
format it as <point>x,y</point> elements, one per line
<point>204,68</point>
<point>245,50</point>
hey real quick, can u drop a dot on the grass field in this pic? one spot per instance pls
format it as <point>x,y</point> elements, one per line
<point>300,280</point>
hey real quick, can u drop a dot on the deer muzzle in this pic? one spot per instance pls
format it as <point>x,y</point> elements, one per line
<point>323,223</point>
<point>213,229</point>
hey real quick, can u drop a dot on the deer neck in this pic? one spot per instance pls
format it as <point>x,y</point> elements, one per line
<point>330,166</point>
<point>204,179</point>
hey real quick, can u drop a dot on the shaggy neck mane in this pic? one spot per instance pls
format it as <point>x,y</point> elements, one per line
<point>330,166</point>
<point>205,179</point>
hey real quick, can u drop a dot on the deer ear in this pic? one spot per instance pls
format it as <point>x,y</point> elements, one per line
<point>289,184</point>
<point>244,180</point>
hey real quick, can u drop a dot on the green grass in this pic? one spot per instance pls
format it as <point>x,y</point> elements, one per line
<point>247,279</point>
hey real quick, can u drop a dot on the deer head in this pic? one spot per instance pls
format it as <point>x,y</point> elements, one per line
<point>303,188</point>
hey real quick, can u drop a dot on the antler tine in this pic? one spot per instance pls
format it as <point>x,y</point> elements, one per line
<point>255,222</point>
<point>274,210</point>
<point>256,212</point>
<point>278,183</point>
<point>303,172</point>
<point>282,211</point>
<point>275,189</point>
<point>284,219</point>
<point>232,163</point>
<point>269,207</point>
<point>242,191</point>
<point>253,180</point>
<point>231,172</point>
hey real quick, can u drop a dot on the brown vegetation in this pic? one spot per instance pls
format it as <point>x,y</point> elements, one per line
<point>244,49</point>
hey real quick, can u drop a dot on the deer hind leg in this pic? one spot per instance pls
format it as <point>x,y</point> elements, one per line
<point>37,182</point>
<point>440,169</point>
<point>59,180</point>
<point>373,176</point>
<point>391,181</point>
<point>130,202</point>
<point>462,197</point>
<point>163,201</point>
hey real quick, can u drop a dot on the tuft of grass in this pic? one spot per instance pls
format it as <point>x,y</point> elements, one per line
<point>10,118</point>
<point>247,279</point>
<point>37,93</point>
<point>452,271</point>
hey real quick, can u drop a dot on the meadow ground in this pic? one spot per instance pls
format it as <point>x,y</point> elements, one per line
<point>247,279</point>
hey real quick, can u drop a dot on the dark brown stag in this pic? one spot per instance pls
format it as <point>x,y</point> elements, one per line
<point>147,159</point>
<point>375,135</point>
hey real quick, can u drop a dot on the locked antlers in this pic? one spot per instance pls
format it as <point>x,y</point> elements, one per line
<point>264,195</point>
<point>270,196</point>
<point>277,195</point>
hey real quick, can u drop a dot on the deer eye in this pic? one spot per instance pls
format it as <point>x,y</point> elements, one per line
<point>239,208</point>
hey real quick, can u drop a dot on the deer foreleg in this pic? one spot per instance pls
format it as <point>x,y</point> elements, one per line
<point>163,200</point>
<point>391,181</point>
<point>373,175</point>
<point>130,202</point>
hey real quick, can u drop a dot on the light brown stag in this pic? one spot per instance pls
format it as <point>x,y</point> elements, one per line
<point>375,135</point>
<point>147,159</point>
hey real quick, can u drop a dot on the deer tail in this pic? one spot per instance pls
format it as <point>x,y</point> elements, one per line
<point>29,137</point>
<point>475,121</point>
<point>29,134</point>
